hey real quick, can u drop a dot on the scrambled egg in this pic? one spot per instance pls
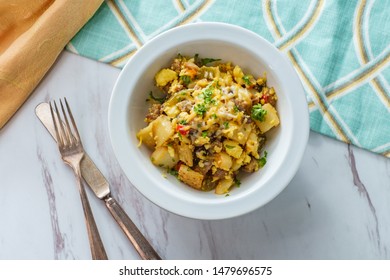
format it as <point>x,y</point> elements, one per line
<point>210,122</point>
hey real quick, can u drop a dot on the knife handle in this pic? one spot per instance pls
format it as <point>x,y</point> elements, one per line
<point>143,247</point>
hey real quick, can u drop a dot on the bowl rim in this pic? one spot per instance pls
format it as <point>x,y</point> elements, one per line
<point>201,209</point>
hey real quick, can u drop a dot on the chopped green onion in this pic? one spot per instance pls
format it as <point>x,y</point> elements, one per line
<point>186,79</point>
<point>226,124</point>
<point>200,109</point>
<point>208,92</point>
<point>258,113</point>
<point>158,99</point>
<point>263,160</point>
<point>246,79</point>
<point>173,172</point>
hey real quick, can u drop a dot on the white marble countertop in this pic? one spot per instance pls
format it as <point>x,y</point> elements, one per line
<point>336,207</point>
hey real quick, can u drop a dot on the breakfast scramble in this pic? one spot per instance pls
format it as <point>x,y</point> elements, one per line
<point>209,122</point>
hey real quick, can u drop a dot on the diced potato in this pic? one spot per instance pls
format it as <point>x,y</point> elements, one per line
<point>244,159</point>
<point>232,148</point>
<point>238,74</point>
<point>238,133</point>
<point>227,78</point>
<point>252,145</point>
<point>223,161</point>
<point>271,119</point>
<point>145,136</point>
<point>236,165</point>
<point>163,158</point>
<point>224,186</point>
<point>202,141</point>
<point>202,83</point>
<point>162,130</point>
<point>172,111</point>
<point>164,76</point>
<point>190,177</point>
<point>185,153</point>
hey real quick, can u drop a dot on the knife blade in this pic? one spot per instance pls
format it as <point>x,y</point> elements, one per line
<point>100,186</point>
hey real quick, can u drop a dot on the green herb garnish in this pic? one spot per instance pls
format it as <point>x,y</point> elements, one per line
<point>258,113</point>
<point>200,109</point>
<point>173,172</point>
<point>204,134</point>
<point>208,92</point>
<point>263,160</point>
<point>206,61</point>
<point>237,182</point>
<point>158,99</point>
<point>214,116</point>
<point>186,79</point>
<point>183,122</point>
<point>246,79</point>
<point>229,147</point>
<point>226,124</point>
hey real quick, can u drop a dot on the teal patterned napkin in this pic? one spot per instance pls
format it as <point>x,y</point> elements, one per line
<point>340,50</point>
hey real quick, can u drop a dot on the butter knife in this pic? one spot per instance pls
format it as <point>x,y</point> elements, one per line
<point>100,186</point>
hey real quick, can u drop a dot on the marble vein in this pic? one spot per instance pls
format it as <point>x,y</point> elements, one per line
<point>210,239</point>
<point>162,224</point>
<point>315,161</point>
<point>58,237</point>
<point>265,229</point>
<point>308,203</point>
<point>363,191</point>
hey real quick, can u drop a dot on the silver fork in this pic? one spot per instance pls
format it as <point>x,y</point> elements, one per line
<point>72,152</point>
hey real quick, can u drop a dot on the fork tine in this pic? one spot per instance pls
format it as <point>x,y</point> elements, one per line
<point>58,136</point>
<point>73,121</point>
<point>68,129</point>
<point>63,131</point>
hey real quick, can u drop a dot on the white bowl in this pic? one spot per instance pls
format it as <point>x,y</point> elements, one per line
<point>285,145</point>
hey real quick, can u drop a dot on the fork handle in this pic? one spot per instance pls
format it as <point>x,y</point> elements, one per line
<point>97,248</point>
<point>143,247</point>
